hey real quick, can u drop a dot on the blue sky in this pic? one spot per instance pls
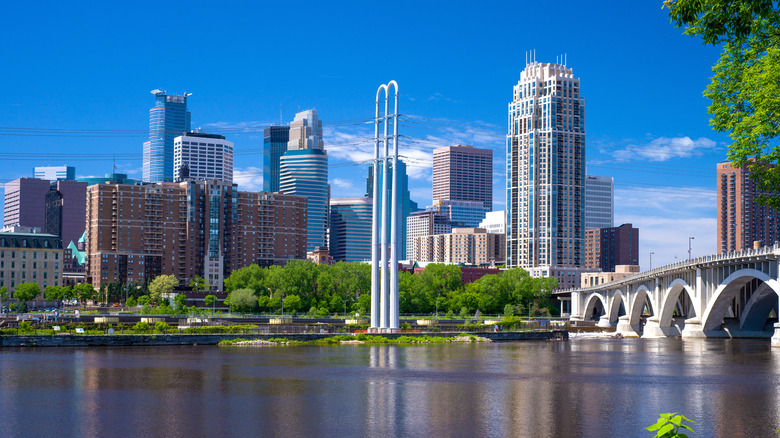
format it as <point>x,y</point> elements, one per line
<point>90,66</point>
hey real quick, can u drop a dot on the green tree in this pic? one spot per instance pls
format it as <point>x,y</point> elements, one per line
<point>180,300</point>
<point>242,300</point>
<point>4,295</point>
<point>53,293</point>
<point>131,302</point>
<point>162,284</point>
<point>745,87</point>
<point>210,300</point>
<point>292,303</point>
<point>199,283</point>
<point>84,292</point>
<point>25,292</point>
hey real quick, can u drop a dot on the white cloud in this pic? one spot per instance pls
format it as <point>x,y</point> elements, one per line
<point>248,179</point>
<point>341,183</point>
<point>665,148</point>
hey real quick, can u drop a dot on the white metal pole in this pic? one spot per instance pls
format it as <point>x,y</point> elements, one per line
<point>394,321</point>
<point>375,272</point>
<point>383,322</point>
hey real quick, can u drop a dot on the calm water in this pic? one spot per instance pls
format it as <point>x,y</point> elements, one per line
<point>558,389</point>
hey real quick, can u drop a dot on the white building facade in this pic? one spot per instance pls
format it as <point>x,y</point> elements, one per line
<point>206,156</point>
<point>494,222</point>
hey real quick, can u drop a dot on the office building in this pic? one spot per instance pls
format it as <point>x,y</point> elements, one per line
<point>596,278</point>
<point>424,223</point>
<point>494,222</point>
<point>188,229</point>
<point>405,204</point>
<point>742,222</point>
<point>25,200</point>
<point>29,257</point>
<point>199,156</point>
<point>471,246</point>
<point>53,173</point>
<point>275,141</point>
<point>466,214</point>
<point>546,172</point>
<point>110,178</point>
<point>463,173</point>
<point>303,171</point>
<point>606,248</point>
<point>168,119</point>
<point>65,210</point>
<point>350,229</point>
<point>599,201</point>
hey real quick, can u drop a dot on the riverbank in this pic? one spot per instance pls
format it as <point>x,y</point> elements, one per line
<point>69,340</point>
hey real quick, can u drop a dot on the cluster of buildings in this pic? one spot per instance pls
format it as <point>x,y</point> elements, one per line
<point>188,218</point>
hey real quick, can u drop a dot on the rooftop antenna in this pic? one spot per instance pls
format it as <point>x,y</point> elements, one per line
<point>526,58</point>
<point>534,56</point>
<point>564,59</point>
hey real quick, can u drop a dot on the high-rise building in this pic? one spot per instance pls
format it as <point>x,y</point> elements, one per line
<point>741,220</point>
<point>463,173</point>
<point>167,120</point>
<point>115,178</point>
<point>25,202</point>
<point>198,156</point>
<point>599,201</point>
<point>350,229</point>
<point>405,204</point>
<point>546,171</point>
<point>494,222</point>
<point>471,246</point>
<point>53,173</point>
<point>466,214</point>
<point>424,223</point>
<point>188,229</point>
<point>303,171</point>
<point>27,257</point>
<point>274,145</point>
<point>56,207</point>
<point>606,248</point>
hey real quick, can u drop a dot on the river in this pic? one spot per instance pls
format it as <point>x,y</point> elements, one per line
<point>575,388</point>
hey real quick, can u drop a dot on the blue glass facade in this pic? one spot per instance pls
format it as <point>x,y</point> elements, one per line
<point>405,205</point>
<point>274,145</point>
<point>305,172</point>
<point>350,229</point>
<point>167,120</point>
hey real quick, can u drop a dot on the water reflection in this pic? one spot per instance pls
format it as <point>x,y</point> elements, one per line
<point>574,388</point>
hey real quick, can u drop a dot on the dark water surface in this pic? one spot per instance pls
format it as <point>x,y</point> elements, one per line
<point>611,388</point>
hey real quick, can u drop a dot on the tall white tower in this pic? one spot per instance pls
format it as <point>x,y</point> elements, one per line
<point>546,169</point>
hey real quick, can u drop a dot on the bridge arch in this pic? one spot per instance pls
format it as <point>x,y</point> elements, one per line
<point>641,297</point>
<point>729,288</point>
<point>616,305</point>
<point>676,289</point>
<point>758,308</point>
<point>594,308</point>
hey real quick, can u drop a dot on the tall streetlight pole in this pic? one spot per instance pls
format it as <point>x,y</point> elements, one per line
<point>651,259</point>
<point>689,247</point>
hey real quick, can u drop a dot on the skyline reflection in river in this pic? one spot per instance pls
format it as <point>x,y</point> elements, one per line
<point>555,388</point>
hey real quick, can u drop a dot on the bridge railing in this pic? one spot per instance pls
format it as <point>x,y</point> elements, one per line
<point>685,264</point>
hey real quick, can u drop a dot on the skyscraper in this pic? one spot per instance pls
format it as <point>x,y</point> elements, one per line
<point>741,220</point>
<point>167,120</point>
<point>303,170</point>
<point>463,173</point>
<point>606,248</point>
<point>350,229</point>
<point>53,173</point>
<point>274,145</point>
<point>25,202</point>
<point>464,214</point>
<point>206,156</point>
<point>405,204</point>
<point>546,169</point>
<point>599,201</point>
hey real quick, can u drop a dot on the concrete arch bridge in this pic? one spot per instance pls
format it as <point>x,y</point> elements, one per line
<point>733,294</point>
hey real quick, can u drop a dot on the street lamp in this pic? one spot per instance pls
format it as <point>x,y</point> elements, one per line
<point>283,306</point>
<point>689,247</point>
<point>651,259</point>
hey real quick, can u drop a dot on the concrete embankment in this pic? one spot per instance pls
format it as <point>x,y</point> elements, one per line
<point>67,340</point>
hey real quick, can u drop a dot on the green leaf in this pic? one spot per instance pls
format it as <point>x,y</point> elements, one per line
<point>688,420</point>
<point>682,435</point>
<point>657,425</point>
<point>665,429</point>
<point>676,420</point>
<point>682,425</point>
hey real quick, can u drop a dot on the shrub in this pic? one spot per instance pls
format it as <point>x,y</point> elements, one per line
<point>142,327</point>
<point>668,426</point>
<point>406,326</point>
<point>161,326</point>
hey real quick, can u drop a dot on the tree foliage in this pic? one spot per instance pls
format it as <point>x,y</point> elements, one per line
<point>25,292</point>
<point>162,284</point>
<point>84,292</point>
<point>745,87</point>
<point>242,300</point>
<point>199,283</point>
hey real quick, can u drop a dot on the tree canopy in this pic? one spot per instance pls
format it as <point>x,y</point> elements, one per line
<point>745,87</point>
<point>162,284</point>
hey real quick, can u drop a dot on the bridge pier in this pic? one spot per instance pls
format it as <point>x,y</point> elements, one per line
<point>604,322</point>
<point>776,336</point>
<point>624,328</point>
<point>693,328</point>
<point>653,328</point>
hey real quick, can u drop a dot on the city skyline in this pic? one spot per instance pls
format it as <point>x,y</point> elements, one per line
<point>649,132</point>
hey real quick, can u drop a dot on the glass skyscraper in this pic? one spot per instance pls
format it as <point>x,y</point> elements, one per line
<point>405,205</point>
<point>546,169</point>
<point>274,145</point>
<point>303,170</point>
<point>350,229</point>
<point>167,120</point>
